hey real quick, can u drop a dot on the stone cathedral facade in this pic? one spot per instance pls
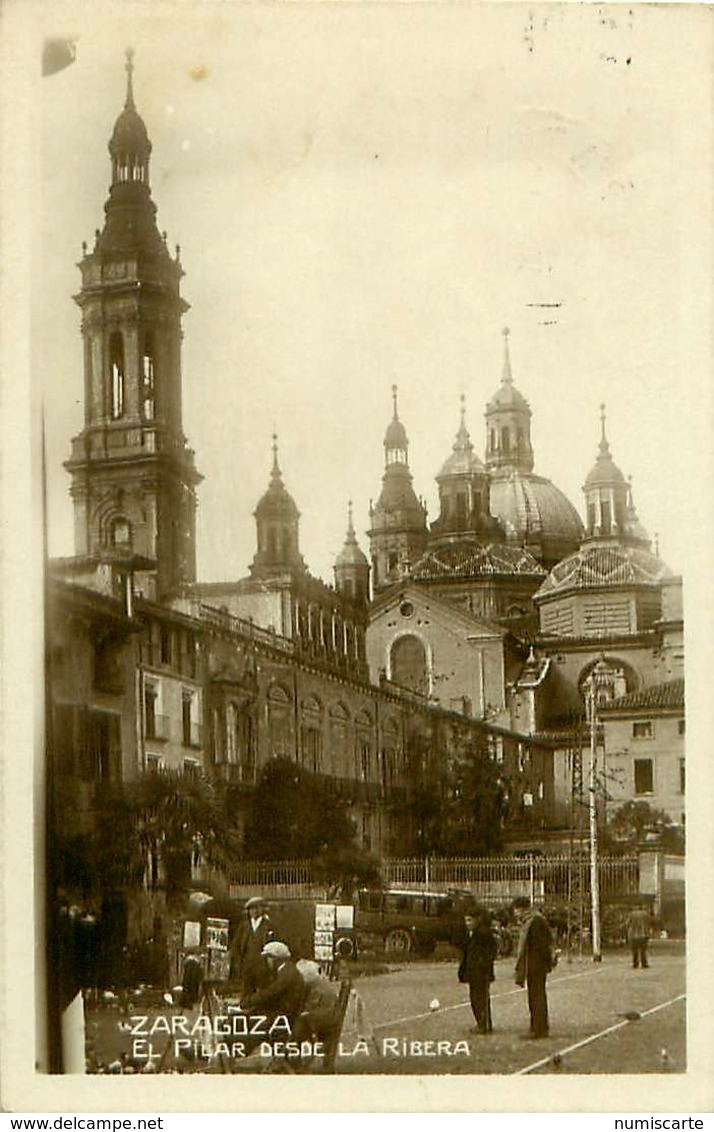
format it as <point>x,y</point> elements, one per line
<point>486,621</point>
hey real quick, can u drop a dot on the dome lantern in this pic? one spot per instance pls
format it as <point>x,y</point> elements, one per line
<point>508,423</point>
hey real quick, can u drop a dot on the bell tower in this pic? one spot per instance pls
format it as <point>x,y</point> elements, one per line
<point>133,475</point>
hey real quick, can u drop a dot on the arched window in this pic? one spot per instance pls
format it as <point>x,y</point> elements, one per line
<point>148,393</point>
<point>116,355</point>
<point>408,664</point>
<point>505,440</point>
<point>120,533</point>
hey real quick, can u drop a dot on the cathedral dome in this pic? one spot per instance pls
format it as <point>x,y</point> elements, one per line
<point>531,507</point>
<point>600,565</point>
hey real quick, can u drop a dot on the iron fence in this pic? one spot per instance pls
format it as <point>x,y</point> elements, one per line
<point>549,879</point>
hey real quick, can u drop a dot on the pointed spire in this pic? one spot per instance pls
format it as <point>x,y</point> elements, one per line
<point>394,398</point>
<point>351,536</point>
<point>275,473</point>
<point>463,439</point>
<point>604,446</point>
<point>507,378</point>
<point>129,102</point>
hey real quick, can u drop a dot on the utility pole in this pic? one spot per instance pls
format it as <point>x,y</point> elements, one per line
<point>598,676</point>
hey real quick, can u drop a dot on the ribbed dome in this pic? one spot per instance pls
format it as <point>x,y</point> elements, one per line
<point>531,506</point>
<point>507,397</point>
<point>130,135</point>
<point>277,501</point>
<point>600,565</point>
<point>396,435</point>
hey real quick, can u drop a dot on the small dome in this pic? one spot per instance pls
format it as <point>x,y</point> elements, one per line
<point>351,555</point>
<point>507,396</point>
<point>605,470</point>
<point>463,461</point>
<point>396,435</point>
<point>597,566</point>
<point>130,135</point>
<point>277,502</point>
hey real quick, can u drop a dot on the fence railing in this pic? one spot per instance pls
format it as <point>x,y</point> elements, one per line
<point>499,879</point>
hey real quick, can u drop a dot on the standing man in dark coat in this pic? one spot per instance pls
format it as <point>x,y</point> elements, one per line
<point>535,960</point>
<point>638,934</point>
<point>476,967</point>
<point>247,964</point>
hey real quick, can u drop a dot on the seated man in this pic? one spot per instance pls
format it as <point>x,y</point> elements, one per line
<point>283,995</point>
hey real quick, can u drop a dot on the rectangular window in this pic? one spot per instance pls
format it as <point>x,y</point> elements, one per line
<point>644,776</point>
<point>166,640</point>
<point>311,743</point>
<point>643,729</point>
<point>189,726</point>
<point>682,778</point>
<point>365,759</point>
<point>680,726</point>
<point>151,717</point>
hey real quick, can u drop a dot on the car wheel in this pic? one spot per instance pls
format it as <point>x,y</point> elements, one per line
<point>398,942</point>
<point>345,947</point>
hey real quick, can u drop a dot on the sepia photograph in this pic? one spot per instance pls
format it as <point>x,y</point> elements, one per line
<point>367,411</point>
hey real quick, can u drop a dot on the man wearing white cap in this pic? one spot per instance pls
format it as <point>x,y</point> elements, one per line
<point>285,992</point>
<point>246,961</point>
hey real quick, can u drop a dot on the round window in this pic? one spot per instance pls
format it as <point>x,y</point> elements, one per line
<point>406,609</point>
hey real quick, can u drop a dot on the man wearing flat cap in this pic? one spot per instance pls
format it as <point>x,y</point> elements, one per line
<point>285,991</point>
<point>247,962</point>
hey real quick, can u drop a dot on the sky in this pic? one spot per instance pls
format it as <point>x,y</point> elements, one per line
<point>366,194</point>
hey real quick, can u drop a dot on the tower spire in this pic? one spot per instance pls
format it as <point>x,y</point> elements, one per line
<point>394,398</point>
<point>604,446</point>
<point>507,377</point>
<point>129,101</point>
<point>275,472</point>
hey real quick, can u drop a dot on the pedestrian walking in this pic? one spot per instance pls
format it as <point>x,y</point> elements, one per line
<point>536,958</point>
<point>476,967</point>
<point>638,934</point>
<point>247,962</point>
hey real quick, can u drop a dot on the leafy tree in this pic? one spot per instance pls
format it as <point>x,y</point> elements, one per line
<point>637,825</point>
<point>295,815</point>
<point>455,804</point>
<point>474,810</point>
<point>149,826</point>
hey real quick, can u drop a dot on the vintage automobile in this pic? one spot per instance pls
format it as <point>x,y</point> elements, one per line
<point>407,920</point>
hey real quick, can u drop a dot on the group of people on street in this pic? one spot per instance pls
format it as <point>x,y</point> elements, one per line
<point>536,957</point>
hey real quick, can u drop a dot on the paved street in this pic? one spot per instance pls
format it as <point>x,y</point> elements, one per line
<point>585,999</point>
